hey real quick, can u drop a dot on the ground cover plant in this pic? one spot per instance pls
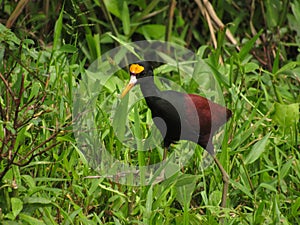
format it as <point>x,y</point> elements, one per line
<point>46,48</point>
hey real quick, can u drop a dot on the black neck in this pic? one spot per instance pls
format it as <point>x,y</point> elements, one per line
<point>148,87</point>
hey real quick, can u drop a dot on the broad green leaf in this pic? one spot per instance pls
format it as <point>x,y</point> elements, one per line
<point>286,116</point>
<point>29,181</point>
<point>150,6</point>
<point>296,207</point>
<point>6,35</point>
<point>215,197</point>
<point>287,67</point>
<point>201,51</point>
<point>185,187</point>
<point>257,149</point>
<point>153,31</point>
<point>16,206</point>
<point>114,7</point>
<point>251,67</point>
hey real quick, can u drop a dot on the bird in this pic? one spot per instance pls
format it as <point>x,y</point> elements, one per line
<point>180,116</point>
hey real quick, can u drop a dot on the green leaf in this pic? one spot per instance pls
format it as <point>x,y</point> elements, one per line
<point>153,31</point>
<point>285,168</point>
<point>67,48</point>
<point>57,30</point>
<point>294,19</point>
<point>215,197</point>
<point>93,41</point>
<point>258,216</point>
<point>296,208</point>
<point>268,187</point>
<point>30,220</point>
<point>37,200</point>
<point>185,186</point>
<point>201,51</point>
<point>248,46</point>
<point>276,62</point>
<point>35,88</point>
<point>6,35</point>
<point>287,67</point>
<point>29,181</point>
<point>286,116</point>
<point>242,188</point>
<point>137,124</point>
<point>272,12</point>
<point>126,45</point>
<point>16,206</point>
<point>114,6</point>
<point>138,137</point>
<point>251,67</point>
<point>125,18</point>
<point>21,135</point>
<point>257,149</point>
<point>113,191</point>
<point>120,117</point>
<point>219,76</point>
<point>148,206</point>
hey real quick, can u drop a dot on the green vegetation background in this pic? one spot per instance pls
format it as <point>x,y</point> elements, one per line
<point>45,49</point>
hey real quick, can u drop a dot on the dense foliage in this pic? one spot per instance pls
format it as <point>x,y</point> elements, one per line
<point>251,47</point>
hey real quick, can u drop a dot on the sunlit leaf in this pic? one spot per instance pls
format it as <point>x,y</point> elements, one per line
<point>16,206</point>
<point>257,149</point>
<point>286,116</point>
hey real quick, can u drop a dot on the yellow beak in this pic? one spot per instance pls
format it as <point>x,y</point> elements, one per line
<point>130,85</point>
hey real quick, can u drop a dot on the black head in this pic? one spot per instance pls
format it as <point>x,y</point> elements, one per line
<point>141,69</point>
<point>137,70</point>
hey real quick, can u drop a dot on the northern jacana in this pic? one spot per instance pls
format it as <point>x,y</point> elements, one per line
<point>180,116</point>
